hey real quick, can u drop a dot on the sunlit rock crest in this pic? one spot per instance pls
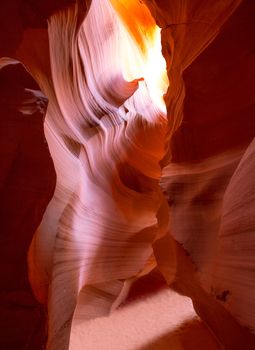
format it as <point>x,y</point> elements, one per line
<point>107,137</point>
<point>110,141</point>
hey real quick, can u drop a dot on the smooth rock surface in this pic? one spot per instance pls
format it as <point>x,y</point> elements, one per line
<point>27,182</point>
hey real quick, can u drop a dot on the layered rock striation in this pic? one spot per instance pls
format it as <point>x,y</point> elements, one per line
<point>137,187</point>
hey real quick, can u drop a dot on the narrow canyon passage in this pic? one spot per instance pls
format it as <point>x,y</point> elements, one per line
<point>143,183</point>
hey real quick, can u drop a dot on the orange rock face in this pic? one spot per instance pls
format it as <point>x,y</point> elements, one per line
<point>137,188</point>
<point>209,50</point>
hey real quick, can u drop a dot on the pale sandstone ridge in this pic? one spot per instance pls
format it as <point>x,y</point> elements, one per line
<point>108,208</point>
<point>133,182</point>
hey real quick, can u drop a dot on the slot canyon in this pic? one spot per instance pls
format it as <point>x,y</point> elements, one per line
<point>127,200</point>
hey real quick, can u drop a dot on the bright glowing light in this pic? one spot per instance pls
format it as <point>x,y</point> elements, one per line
<point>154,71</point>
<point>141,55</point>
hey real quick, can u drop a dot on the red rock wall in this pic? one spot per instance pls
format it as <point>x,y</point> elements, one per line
<point>209,50</point>
<point>27,177</point>
<point>110,143</point>
<point>27,185</point>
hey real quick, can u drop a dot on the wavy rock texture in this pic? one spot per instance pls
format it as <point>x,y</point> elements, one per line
<point>107,137</point>
<point>110,143</point>
<point>210,108</point>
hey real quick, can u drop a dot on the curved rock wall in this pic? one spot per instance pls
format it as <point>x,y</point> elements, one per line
<point>209,50</point>
<point>107,137</point>
<point>113,148</point>
<point>27,184</point>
